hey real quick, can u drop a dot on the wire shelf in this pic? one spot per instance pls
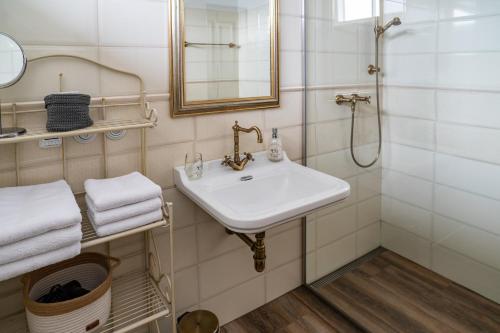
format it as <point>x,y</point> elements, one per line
<point>90,238</point>
<point>99,126</point>
<point>136,301</point>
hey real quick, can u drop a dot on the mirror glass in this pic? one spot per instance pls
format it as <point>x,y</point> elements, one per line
<point>227,49</point>
<point>12,61</point>
<point>224,51</point>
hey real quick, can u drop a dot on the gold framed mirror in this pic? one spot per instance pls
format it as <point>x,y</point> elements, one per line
<point>224,56</point>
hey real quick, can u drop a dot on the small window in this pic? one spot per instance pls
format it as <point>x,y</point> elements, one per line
<point>350,10</point>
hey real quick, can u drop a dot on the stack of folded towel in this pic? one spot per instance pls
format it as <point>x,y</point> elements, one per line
<point>39,226</point>
<point>122,203</point>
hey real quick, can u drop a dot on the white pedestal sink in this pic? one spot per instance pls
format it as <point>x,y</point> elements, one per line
<point>263,195</point>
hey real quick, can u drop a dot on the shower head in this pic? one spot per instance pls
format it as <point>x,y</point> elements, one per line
<point>381,29</point>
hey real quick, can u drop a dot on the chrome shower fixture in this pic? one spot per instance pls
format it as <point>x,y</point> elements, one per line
<point>379,30</point>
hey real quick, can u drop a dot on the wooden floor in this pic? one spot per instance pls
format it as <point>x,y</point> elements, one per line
<point>384,294</point>
<point>296,312</point>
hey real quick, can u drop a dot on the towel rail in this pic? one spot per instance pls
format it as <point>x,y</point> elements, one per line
<point>230,45</point>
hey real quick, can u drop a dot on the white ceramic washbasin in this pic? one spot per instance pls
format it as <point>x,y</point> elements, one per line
<point>278,192</point>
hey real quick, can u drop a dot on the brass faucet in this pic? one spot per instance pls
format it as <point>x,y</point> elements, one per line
<point>238,163</point>
<point>352,100</point>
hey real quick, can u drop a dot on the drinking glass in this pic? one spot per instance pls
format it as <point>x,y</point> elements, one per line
<point>193,165</point>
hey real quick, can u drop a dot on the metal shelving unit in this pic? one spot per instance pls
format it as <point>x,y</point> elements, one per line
<point>138,298</point>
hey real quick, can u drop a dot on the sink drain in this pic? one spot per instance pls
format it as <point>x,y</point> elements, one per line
<point>246,178</point>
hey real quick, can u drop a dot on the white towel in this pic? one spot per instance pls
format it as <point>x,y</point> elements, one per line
<point>30,264</point>
<point>130,223</point>
<point>49,241</point>
<point>116,192</point>
<point>28,211</point>
<point>122,213</point>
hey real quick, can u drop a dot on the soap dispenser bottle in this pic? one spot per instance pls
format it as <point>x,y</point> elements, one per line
<point>275,149</point>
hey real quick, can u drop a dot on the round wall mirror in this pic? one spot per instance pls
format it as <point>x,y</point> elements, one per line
<point>12,61</point>
<point>12,67</point>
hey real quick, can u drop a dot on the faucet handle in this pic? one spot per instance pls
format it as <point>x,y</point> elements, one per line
<point>249,156</point>
<point>226,160</point>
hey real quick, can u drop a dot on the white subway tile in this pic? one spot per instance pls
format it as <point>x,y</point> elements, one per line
<point>186,288</point>
<point>237,301</point>
<point>411,102</point>
<point>409,131</point>
<point>410,218</point>
<point>467,272</point>
<point>185,209</point>
<point>311,267</point>
<point>292,77</point>
<point>468,108</point>
<point>289,114</point>
<point>150,63</point>
<point>472,142</point>
<point>332,136</point>
<point>291,7</point>
<point>403,69</point>
<point>51,22</point>
<point>332,227</point>
<point>471,35</point>
<point>467,8</point>
<point>473,176</point>
<point>214,241</point>
<point>292,40</point>
<point>163,159</point>
<point>225,272</point>
<point>369,184</point>
<point>474,243</point>
<point>338,164</point>
<point>283,248</point>
<point>367,239</point>
<point>477,211</point>
<point>335,255</point>
<point>170,130</point>
<point>409,160</point>
<point>407,188</point>
<point>468,71</point>
<point>411,11</point>
<point>368,212</point>
<point>283,279</point>
<point>411,38</point>
<point>406,244</point>
<point>133,23</point>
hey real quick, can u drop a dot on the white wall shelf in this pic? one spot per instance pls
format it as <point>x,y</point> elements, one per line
<point>100,126</point>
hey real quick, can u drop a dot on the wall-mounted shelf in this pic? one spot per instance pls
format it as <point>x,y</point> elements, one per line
<point>100,126</point>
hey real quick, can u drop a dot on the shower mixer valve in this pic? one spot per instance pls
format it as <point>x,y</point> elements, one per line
<point>353,99</point>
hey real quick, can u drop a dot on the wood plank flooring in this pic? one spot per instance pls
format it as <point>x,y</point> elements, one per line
<point>389,293</point>
<point>385,294</point>
<point>296,312</point>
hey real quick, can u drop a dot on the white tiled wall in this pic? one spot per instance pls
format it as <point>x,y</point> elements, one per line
<point>213,269</point>
<point>441,178</point>
<point>337,56</point>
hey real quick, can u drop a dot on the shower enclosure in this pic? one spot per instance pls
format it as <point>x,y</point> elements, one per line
<point>434,194</point>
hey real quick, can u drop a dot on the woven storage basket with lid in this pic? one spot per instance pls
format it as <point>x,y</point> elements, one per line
<point>80,315</point>
<point>67,112</point>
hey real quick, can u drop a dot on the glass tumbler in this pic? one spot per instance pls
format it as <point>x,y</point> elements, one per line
<point>193,165</point>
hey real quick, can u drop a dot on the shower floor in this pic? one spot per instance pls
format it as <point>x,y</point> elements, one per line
<point>386,293</point>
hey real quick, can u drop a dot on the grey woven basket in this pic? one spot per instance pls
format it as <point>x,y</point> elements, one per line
<point>67,112</point>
